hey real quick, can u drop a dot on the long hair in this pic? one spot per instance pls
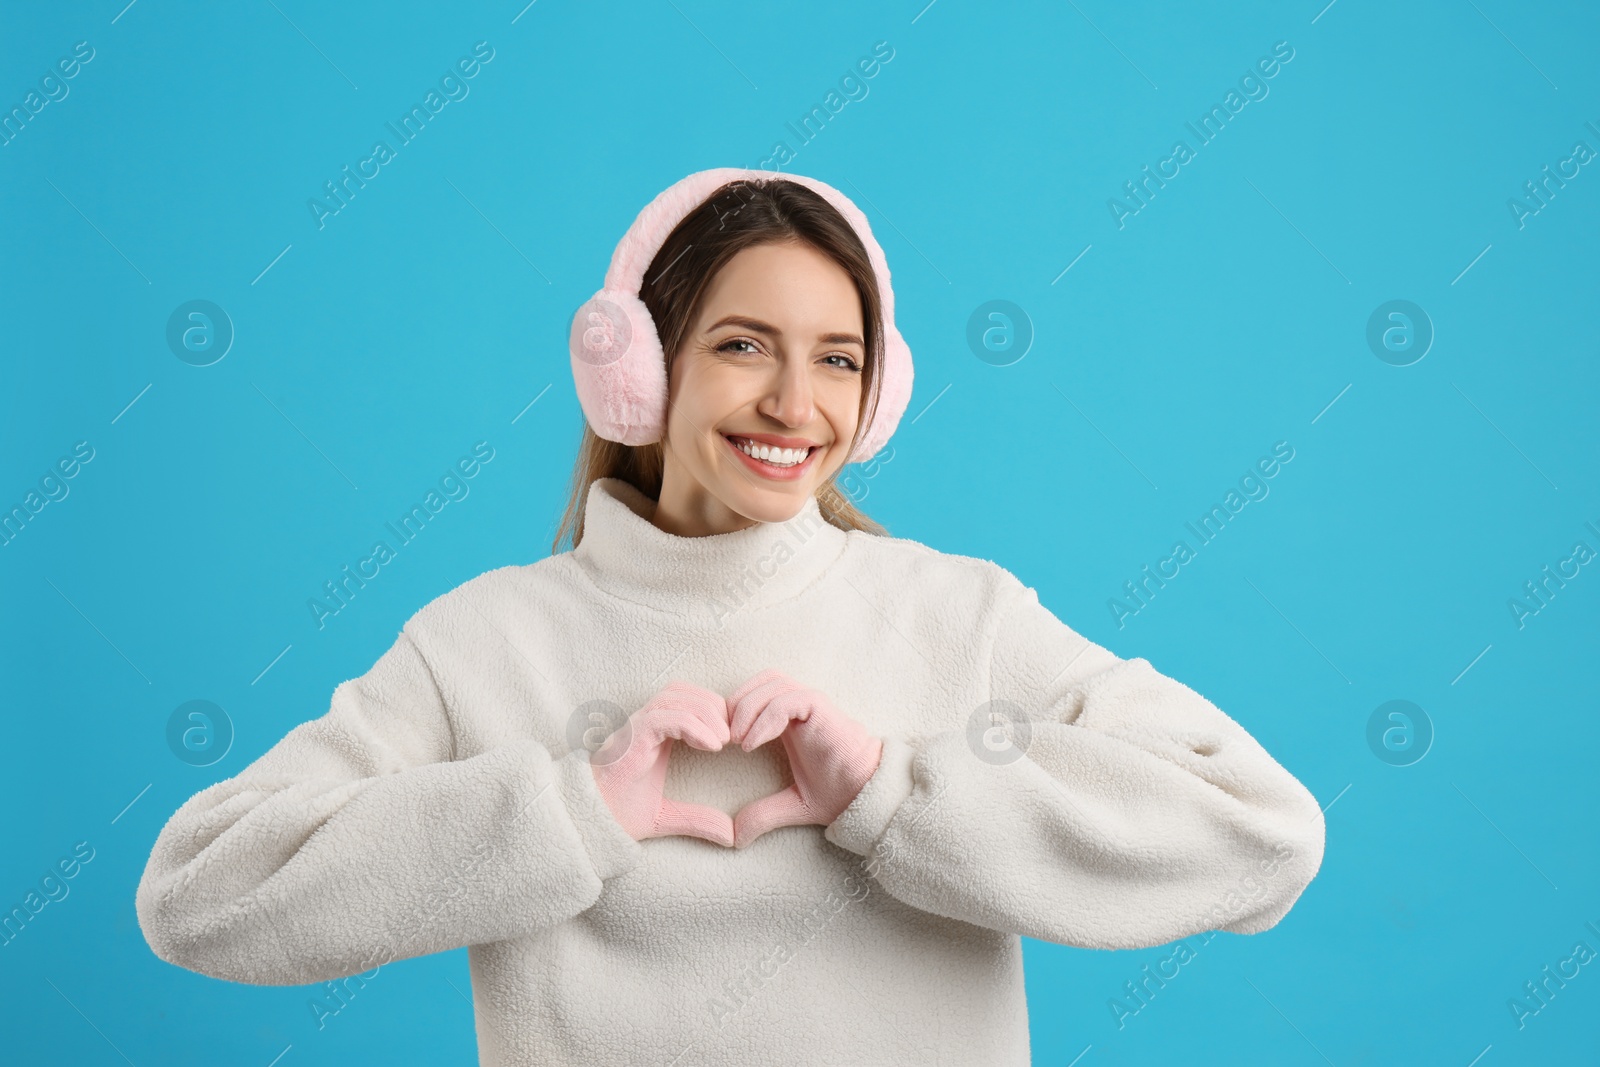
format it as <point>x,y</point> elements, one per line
<point>765,210</point>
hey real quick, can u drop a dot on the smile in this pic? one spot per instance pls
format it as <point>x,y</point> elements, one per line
<point>770,461</point>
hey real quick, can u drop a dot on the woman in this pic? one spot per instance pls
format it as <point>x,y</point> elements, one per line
<point>921,762</point>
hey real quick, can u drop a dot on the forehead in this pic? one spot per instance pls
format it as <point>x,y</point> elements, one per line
<point>789,285</point>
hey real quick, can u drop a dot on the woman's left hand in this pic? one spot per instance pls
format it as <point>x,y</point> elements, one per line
<point>830,754</point>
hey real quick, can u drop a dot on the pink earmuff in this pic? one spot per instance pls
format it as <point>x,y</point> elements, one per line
<point>617,363</point>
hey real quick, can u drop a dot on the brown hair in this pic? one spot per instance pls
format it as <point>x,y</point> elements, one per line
<point>738,215</point>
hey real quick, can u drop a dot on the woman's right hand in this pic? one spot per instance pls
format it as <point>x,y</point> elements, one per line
<point>631,766</point>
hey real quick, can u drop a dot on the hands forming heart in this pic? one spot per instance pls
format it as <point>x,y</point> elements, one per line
<point>830,754</point>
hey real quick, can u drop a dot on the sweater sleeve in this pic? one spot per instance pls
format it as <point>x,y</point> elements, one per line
<point>1125,811</point>
<point>359,839</point>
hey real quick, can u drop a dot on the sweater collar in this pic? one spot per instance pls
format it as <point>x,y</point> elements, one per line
<point>720,575</point>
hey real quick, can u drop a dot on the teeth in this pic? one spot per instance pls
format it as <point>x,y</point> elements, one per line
<point>778,457</point>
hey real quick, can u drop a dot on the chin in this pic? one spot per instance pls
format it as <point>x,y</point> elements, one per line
<point>778,504</point>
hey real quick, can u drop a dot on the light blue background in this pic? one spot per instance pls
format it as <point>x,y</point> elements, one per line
<point>1224,317</point>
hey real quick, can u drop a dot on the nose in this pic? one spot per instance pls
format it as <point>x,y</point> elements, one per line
<point>789,398</point>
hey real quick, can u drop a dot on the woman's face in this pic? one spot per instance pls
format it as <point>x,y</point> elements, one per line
<point>774,358</point>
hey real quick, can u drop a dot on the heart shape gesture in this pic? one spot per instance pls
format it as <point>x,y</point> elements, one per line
<point>830,754</point>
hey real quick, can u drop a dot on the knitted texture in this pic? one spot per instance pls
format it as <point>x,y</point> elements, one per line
<point>830,754</point>
<point>631,767</point>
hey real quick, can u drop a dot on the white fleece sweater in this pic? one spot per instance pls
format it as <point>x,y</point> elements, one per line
<point>445,799</point>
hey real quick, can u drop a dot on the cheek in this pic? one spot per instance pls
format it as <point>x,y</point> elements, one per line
<point>689,434</point>
<point>712,395</point>
<point>841,405</point>
<point>699,405</point>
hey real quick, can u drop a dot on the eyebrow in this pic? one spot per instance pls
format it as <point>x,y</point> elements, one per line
<point>757,326</point>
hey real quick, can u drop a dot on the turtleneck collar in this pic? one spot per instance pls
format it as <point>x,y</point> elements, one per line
<point>626,555</point>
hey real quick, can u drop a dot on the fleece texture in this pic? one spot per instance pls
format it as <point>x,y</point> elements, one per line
<point>618,368</point>
<point>1031,783</point>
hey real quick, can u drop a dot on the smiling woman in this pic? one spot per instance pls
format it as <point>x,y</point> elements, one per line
<point>737,780</point>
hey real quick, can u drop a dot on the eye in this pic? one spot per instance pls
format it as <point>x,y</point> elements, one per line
<point>849,362</point>
<point>726,345</point>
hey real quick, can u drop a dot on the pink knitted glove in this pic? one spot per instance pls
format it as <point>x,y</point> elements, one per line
<point>631,766</point>
<point>830,754</point>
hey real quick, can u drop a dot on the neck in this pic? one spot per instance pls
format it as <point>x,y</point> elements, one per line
<point>686,508</point>
<point>697,514</point>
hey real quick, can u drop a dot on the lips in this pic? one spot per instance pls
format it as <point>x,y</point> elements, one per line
<point>768,470</point>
